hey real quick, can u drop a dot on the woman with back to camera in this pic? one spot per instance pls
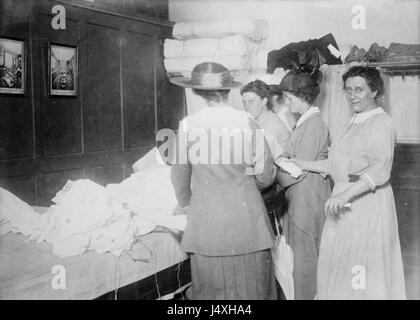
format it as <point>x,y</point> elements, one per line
<point>228,233</point>
<point>360,253</point>
<point>307,194</point>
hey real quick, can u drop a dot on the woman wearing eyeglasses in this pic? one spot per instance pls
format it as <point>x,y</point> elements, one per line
<point>360,253</point>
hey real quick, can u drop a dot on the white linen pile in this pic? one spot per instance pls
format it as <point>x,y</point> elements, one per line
<point>87,216</point>
<point>17,216</point>
<point>83,218</point>
<point>148,192</point>
<point>233,44</point>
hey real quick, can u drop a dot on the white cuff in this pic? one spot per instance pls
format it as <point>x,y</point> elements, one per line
<point>368,180</point>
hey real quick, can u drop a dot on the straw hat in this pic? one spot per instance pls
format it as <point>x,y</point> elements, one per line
<point>208,76</point>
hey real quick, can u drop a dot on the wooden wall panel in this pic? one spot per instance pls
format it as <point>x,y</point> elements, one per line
<point>16,121</point>
<point>49,183</point>
<point>141,8</point>
<point>138,85</point>
<point>101,94</point>
<point>61,123</point>
<point>46,140</point>
<point>408,209</point>
<point>103,175</point>
<point>21,186</point>
<point>16,128</point>
<point>406,185</point>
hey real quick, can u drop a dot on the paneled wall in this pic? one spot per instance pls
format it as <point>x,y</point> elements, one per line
<point>124,97</point>
<point>406,185</point>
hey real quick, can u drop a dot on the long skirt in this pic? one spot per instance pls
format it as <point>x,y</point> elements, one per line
<point>241,277</point>
<point>305,259</point>
<point>360,253</point>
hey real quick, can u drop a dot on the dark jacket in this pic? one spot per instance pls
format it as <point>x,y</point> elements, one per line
<point>226,214</point>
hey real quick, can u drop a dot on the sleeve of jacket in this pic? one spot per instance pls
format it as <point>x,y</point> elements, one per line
<point>181,171</point>
<point>181,180</point>
<point>309,146</point>
<point>263,163</point>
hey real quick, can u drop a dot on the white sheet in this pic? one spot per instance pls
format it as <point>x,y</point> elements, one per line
<point>255,29</point>
<point>26,267</point>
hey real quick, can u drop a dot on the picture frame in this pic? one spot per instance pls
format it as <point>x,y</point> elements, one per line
<point>12,66</point>
<point>63,73</point>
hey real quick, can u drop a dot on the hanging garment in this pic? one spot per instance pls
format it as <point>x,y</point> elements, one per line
<point>308,54</point>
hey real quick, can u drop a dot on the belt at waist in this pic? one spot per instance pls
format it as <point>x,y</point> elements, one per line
<point>353,178</point>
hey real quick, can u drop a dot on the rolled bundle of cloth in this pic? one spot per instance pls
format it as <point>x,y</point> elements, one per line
<point>254,29</point>
<point>184,65</point>
<point>237,45</point>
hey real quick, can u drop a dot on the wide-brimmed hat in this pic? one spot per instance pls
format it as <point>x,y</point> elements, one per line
<point>208,76</point>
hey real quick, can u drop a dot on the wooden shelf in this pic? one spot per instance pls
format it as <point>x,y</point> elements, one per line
<point>397,68</point>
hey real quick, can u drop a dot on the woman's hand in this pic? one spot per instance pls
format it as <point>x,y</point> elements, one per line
<point>335,205</point>
<point>180,210</point>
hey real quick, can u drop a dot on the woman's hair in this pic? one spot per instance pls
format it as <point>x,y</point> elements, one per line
<point>258,87</point>
<point>275,94</point>
<point>302,85</point>
<point>216,96</point>
<point>371,75</point>
<point>307,97</point>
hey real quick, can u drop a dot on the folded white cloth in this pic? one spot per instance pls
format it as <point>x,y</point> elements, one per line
<point>255,29</point>
<point>152,160</point>
<point>237,45</point>
<point>289,167</point>
<point>17,216</point>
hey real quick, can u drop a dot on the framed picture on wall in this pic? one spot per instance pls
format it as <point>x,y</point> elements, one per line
<point>12,66</point>
<point>63,70</point>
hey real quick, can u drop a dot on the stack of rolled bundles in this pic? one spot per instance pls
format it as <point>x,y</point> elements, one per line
<point>254,29</point>
<point>231,43</point>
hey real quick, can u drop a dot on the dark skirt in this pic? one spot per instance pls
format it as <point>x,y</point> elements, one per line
<point>241,277</point>
<point>305,259</point>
